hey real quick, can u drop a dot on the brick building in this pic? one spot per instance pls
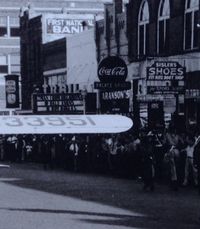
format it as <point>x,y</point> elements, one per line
<point>148,31</point>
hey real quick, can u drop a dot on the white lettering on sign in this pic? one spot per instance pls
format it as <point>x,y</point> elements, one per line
<point>116,71</point>
<point>166,64</point>
<point>159,72</point>
<point>10,86</point>
<point>116,95</point>
<point>66,26</point>
<point>66,29</point>
<point>53,124</point>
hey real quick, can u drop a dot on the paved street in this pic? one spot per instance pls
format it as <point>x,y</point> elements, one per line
<point>33,198</point>
<point>26,208</point>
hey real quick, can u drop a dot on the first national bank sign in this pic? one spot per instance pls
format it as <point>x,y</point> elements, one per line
<point>57,26</point>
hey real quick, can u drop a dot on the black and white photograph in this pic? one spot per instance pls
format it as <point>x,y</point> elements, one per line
<point>99,114</point>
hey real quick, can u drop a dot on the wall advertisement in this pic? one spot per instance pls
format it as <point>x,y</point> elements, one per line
<point>165,77</point>
<point>56,26</point>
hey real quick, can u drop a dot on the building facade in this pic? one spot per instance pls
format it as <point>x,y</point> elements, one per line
<point>151,31</point>
<point>10,34</point>
<point>37,29</point>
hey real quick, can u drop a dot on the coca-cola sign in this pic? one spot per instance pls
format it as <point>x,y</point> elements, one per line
<point>112,68</point>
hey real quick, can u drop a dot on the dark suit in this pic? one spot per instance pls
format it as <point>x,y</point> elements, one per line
<point>197,162</point>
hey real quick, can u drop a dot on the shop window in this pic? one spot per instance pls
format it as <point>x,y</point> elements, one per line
<point>143,22</point>
<point>163,26</point>
<point>191,21</point>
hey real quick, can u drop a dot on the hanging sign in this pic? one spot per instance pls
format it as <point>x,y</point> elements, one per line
<point>112,69</point>
<point>12,91</point>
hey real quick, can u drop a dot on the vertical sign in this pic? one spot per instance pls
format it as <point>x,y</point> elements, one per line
<point>12,91</point>
<point>114,90</point>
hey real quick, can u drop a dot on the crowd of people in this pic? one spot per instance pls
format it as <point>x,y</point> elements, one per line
<point>152,156</point>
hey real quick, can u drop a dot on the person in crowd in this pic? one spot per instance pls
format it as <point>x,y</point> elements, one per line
<point>133,155</point>
<point>61,151</point>
<point>20,145</point>
<point>83,153</point>
<point>34,143</point>
<point>105,153</point>
<point>28,149</point>
<point>45,152</point>
<point>189,161</point>
<point>171,157</point>
<point>52,148</point>
<point>1,147</point>
<point>148,162</point>
<point>197,160</point>
<point>114,149</point>
<point>111,150</point>
<point>120,147</point>
<point>159,155</point>
<point>74,148</point>
<point>11,148</point>
<point>137,156</point>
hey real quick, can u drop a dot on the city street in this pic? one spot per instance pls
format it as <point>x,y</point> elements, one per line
<point>35,198</point>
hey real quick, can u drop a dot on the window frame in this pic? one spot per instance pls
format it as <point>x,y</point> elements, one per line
<point>145,24</point>
<point>4,68</point>
<point>190,9</point>
<point>162,18</point>
<point>9,26</point>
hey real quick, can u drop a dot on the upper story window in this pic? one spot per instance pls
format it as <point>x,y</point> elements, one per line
<point>9,26</point>
<point>3,27</point>
<point>3,64</point>
<point>143,28</point>
<point>14,27</point>
<point>163,26</point>
<point>191,21</point>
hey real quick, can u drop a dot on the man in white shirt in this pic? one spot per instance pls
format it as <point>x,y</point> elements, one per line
<point>189,162</point>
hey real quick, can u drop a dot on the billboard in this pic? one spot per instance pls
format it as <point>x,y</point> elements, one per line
<point>165,77</point>
<point>56,26</point>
